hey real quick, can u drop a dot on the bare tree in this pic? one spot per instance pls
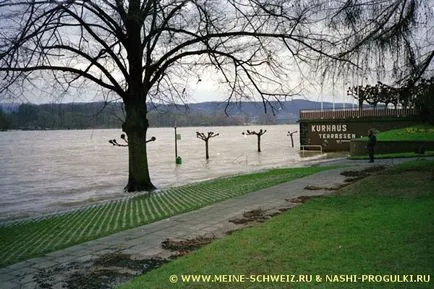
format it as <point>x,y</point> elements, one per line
<point>142,51</point>
<point>206,138</point>
<point>290,134</point>
<point>114,142</point>
<point>258,135</point>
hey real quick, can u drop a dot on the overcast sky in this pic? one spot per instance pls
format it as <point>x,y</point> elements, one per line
<point>209,88</point>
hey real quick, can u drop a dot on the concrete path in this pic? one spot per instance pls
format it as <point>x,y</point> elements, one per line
<point>54,270</point>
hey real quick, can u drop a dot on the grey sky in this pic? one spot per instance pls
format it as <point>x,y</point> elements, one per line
<point>206,86</point>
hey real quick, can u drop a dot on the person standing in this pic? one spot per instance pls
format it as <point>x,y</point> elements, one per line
<point>372,141</point>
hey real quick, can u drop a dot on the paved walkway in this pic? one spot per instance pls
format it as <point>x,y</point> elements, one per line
<point>54,269</point>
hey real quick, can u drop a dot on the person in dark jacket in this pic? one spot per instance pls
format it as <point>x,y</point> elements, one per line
<point>372,141</point>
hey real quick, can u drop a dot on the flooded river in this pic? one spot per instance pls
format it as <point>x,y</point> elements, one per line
<point>48,171</point>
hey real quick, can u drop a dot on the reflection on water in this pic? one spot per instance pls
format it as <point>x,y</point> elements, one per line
<point>45,171</point>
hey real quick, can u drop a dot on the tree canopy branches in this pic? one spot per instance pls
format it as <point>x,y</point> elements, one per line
<point>250,43</point>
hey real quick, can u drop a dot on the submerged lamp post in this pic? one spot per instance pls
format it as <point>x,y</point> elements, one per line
<point>258,134</point>
<point>206,138</point>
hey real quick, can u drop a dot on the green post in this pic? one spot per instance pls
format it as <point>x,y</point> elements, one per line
<point>176,145</point>
<point>178,159</point>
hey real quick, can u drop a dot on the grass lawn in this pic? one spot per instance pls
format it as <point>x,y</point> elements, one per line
<point>421,132</point>
<point>31,238</point>
<point>381,225</point>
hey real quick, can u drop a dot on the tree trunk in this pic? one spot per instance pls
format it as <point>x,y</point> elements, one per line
<point>206,149</point>
<point>259,143</point>
<point>136,126</point>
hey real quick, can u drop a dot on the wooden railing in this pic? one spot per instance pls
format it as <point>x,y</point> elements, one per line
<point>355,113</point>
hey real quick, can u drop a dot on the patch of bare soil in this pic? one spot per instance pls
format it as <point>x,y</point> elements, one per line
<point>362,173</point>
<point>230,232</point>
<point>253,217</point>
<point>117,260</point>
<point>352,176</point>
<point>354,179</point>
<point>335,188</point>
<point>187,244</point>
<point>183,247</point>
<point>257,215</point>
<point>313,188</point>
<point>105,272</point>
<point>44,278</point>
<point>300,199</point>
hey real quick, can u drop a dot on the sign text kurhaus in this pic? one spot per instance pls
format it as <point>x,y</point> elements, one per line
<point>332,131</point>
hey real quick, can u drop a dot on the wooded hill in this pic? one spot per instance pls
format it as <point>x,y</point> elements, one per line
<point>111,115</point>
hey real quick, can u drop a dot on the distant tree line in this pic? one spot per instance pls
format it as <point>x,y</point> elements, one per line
<point>188,118</point>
<point>100,115</point>
<point>419,95</point>
<point>61,116</point>
<point>5,123</point>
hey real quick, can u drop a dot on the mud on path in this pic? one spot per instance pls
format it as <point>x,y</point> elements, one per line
<point>105,272</point>
<point>113,268</point>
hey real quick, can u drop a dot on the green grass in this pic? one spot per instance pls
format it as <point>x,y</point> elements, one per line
<point>31,238</point>
<point>394,155</point>
<point>421,132</point>
<point>383,225</point>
